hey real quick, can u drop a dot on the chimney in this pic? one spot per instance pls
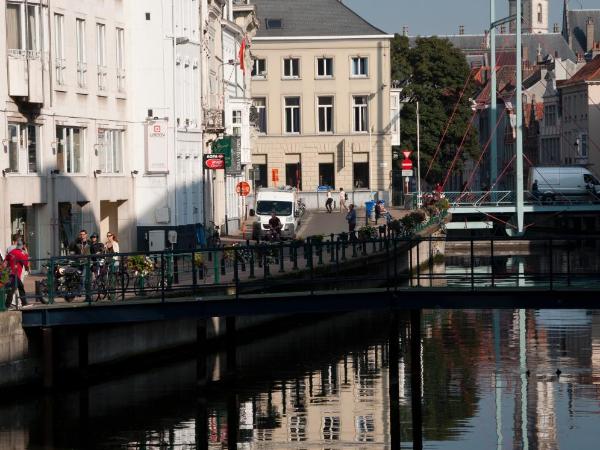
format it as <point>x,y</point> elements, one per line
<point>461,30</point>
<point>404,30</point>
<point>525,54</point>
<point>555,28</point>
<point>589,34</point>
<point>539,57</point>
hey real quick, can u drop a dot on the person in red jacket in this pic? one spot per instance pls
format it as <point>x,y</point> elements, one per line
<point>17,260</point>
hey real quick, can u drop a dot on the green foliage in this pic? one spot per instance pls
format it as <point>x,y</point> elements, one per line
<point>434,72</point>
<point>368,232</point>
<point>4,274</point>
<point>140,264</point>
<point>410,221</point>
<point>198,260</point>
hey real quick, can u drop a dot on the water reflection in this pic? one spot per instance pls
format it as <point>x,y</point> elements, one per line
<point>482,379</point>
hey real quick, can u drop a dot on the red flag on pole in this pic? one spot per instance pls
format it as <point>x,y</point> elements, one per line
<point>242,55</point>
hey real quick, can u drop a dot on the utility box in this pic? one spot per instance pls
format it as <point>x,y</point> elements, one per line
<point>156,240</point>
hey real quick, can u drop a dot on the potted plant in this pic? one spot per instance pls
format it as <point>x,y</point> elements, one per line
<point>4,281</point>
<point>199,264</point>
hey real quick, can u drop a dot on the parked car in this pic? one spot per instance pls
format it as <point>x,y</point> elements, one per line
<point>555,182</point>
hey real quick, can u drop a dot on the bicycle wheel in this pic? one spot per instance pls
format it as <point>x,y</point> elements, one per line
<point>99,290</point>
<point>139,285</point>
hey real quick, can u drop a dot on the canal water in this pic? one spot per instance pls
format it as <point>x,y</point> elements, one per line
<point>484,379</point>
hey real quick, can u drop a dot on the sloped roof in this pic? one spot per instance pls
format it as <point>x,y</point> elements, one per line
<point>549,44</point>
<point>589,72</point>
<point>577,23</point>
<point>311,18</point>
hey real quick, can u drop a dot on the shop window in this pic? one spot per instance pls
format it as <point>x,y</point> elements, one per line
<point>293,175</point>
<point>327,175</point>
<point>361,175</point>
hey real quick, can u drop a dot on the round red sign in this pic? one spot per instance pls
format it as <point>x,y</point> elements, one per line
<point>242,188</point>
<point>407,164</point>
<point>215,163</point>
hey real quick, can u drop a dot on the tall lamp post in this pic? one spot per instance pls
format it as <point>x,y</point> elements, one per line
<point>419,201</point>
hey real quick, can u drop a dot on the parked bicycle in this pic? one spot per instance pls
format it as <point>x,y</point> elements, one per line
<point>213,235</point>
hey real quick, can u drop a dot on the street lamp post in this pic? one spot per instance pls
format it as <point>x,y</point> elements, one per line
<point>419,202</point>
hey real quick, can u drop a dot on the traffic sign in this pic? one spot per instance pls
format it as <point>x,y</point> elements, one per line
<point>406,153</point>
<point>242,188</point>
<point>407,173</point>
<point>407,164</point>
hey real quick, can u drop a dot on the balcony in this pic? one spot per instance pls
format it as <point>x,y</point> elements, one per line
<point>213,121</point>
<point>25,79</point>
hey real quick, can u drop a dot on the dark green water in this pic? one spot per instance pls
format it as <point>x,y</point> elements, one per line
<point>489,381</point>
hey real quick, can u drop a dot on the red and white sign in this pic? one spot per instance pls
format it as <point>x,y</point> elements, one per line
<point>407,164</point>
<point>407,153</point>
<point>156,143</point>
<point>242,188</point>
<point>214,161</point>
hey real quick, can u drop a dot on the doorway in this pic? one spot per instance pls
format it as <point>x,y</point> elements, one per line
<point>23,224</point>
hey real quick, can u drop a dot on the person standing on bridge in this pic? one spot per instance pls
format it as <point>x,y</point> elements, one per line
<point>18,261</point>
<point>329,202</point>
<point>343,198</point>
<point>351,219</point>
<point>535,190</point>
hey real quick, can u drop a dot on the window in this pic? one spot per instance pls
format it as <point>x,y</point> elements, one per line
<point>59,48</point>
<point>259,68</point>
<point>293,175</point>
<point>550,115</point>
<point>327,175</point>
<point>291,68</point>
<point>361,174</point>
<point>22,27</point>
<point>69,151</point>
<point>331,428</point>
<point>23,142</point>
<point>360,66</point>
<point>236,123</point>
<point>325,106</point>
<point>260,104</point>
<point>81,57</point>
<point>120,59</point>
<point>292,114</point>
<point>325,67</point>
<point>110,149</point>
<point>101,55</point>
<point>550,150</point>
<point>540,15</point>
<point>260,175</point>
<point>360,114</point>
<point>583,144</point>
<point>273,24</point>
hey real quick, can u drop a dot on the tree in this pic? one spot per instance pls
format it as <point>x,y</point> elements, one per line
<point>434,72</point>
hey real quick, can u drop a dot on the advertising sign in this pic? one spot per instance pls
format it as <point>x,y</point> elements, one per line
<point>223,146</point>
<point>156,146</point>
<point>214,161</point>
<point>235,167</point>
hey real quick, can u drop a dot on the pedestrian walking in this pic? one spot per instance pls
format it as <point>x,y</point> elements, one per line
<point>18,261</point>
<point>112,243</point>
<point>329,202</point>
<point>82,244</point>
<point>343,198</point>
<point>351,219</point>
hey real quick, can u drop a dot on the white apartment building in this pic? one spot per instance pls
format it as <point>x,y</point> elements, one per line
<point>64,126</point>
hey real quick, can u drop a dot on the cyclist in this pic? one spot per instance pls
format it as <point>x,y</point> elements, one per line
<point>275,225</point>
<point>96,248</point>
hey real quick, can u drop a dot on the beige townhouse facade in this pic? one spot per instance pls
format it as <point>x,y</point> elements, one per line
<point>321,92</point>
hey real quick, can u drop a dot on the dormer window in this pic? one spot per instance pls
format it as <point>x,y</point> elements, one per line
<point>273,24</point>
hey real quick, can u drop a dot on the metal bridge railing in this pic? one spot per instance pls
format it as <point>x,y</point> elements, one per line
<point>341,262</point>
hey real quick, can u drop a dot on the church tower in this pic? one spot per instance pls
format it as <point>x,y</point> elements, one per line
<point>535,15</point>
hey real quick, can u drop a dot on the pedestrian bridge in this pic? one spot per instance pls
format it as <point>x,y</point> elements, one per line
<point>488,202</point>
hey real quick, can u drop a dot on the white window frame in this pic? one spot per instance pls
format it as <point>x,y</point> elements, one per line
<point>59,49</point>
<point>81,53</point>
<point>257,73</point>
<point>363,114</point>
<point>236,122</point>
<point>18,142</point>
<point>291,108</point>
<point>66,143</point>
<point>288,63</point>
<point>318,63</point>
<point>29,45</point>
<point>110,150</point>
<point>101,55</point>
<point>361,64</point>
<point>120,53</point>
<point>327,109</point>
<point>262,107</point>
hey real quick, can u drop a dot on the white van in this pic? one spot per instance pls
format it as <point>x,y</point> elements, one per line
<point>554,182</point>
<point>284,203</point>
